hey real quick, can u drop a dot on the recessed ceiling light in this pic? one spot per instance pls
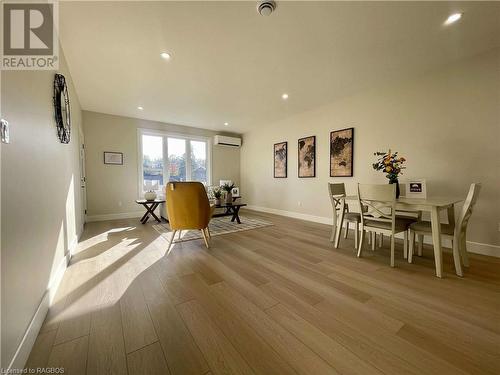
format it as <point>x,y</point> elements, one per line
<point>453,18</point>
<point>284,96</point>
<point>226,124</point>
<point>165,56</point>
<point>140,108</point>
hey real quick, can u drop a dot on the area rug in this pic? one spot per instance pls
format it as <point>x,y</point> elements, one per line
<point>218,226</point>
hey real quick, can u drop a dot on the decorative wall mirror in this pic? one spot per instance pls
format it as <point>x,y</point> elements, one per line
<point>61,108</point>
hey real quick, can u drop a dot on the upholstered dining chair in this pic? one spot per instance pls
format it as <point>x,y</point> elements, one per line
<point>188,209</point>
<point>337,198</point>
<point>380,214</point>
<point>456,232</point>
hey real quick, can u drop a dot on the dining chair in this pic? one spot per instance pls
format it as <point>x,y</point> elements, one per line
<point>456,232</point>
<point>337,197</point>
<point>412,215</point>
<point>380,214</point>
<point>188,209</point>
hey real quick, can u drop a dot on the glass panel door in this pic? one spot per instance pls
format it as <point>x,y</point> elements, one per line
<point>176,159</point>
<point>199,161</point>
<point>152,162</point>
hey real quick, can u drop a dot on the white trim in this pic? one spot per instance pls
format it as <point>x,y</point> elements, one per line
<point>26,345</point>
<point>472,247</point>
<point>123,215</point>
<point>483,249</point>
<point>295,215</point>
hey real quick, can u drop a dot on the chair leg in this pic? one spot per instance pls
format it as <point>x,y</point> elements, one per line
<point>334,230</point>
<point>360,245</point>
<point>405,245</point>
<point>374,239</point>
<point>456,256</point>
<point>208,232</point>
<point>346,229</point>
<point>170,242</point>
<point>381,240</point>
<point>420,244</point>
<point>392,250</point>
<point>369,238</point>
<point>463,250</point>
<point>180,233</point>
<point>356,234</point>
<point>412,246</point>
<point>205,238</point>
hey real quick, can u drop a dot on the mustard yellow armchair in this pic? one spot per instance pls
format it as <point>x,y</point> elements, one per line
<point>188,208</point>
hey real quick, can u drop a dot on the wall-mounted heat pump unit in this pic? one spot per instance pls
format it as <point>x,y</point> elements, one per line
<point>227,141</point>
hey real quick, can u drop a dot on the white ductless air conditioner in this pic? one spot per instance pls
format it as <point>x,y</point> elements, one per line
<point>227,141</point>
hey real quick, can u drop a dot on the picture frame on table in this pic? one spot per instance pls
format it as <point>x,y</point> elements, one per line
<point>416,188</point>
<point>235,192</point>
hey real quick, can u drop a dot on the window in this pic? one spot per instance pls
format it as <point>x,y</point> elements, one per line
<point>169,157</point>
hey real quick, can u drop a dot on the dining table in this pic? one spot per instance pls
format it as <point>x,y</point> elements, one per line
<point>432,205</point>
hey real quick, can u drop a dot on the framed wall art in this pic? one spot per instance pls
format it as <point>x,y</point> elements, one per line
<point>115,158</point>
<point>307,157</point>
<point>342,153</point>
<point>280,159</point>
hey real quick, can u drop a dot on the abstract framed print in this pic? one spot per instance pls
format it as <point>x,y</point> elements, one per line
<point>280,159</point>
<point>307,157</point>
<point>342,153</point>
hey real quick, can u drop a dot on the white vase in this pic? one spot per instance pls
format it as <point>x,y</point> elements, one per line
<point>150,195</point>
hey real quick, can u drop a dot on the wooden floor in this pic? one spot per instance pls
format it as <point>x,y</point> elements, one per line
<point>278,300</point>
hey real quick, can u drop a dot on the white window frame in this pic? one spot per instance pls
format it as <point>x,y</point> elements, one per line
<point>166,169</point>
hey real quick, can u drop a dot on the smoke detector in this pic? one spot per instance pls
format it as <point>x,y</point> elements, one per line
<point>266,7</point>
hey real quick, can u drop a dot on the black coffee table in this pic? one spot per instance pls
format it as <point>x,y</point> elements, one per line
<point>230,209</point>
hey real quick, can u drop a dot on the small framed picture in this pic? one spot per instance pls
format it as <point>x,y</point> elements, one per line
<point>115,158</point>
<point>235,192</point>
<point>416,188</point>
<point>225,182</point>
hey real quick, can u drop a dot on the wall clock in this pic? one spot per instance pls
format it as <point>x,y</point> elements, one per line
<point>61,108</point>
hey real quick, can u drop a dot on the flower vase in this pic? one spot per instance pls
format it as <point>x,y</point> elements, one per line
<point>397,186</point>
<point>229,198</point>
<point>217,201</point>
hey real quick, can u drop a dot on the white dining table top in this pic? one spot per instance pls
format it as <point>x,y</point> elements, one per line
<point>429,202</point>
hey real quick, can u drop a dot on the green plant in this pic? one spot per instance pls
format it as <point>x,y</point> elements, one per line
<point>228,188</point>
<point>217,193</point>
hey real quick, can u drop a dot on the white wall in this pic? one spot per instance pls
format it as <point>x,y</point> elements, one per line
<point>112,189</point>
<point>446,123</point>
<point>41,203</point>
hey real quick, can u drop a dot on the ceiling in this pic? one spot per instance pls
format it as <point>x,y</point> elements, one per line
<point>230,64</point>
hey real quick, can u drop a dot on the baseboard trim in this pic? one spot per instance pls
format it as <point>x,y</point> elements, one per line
<point>472,247</point>
<point>124,215</point>
<point>24,349</point>
<point>483,249</point>
<point>295,215</point>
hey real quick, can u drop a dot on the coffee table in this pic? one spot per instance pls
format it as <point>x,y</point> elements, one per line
<point>230,209</point>
<point>150,207</point>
